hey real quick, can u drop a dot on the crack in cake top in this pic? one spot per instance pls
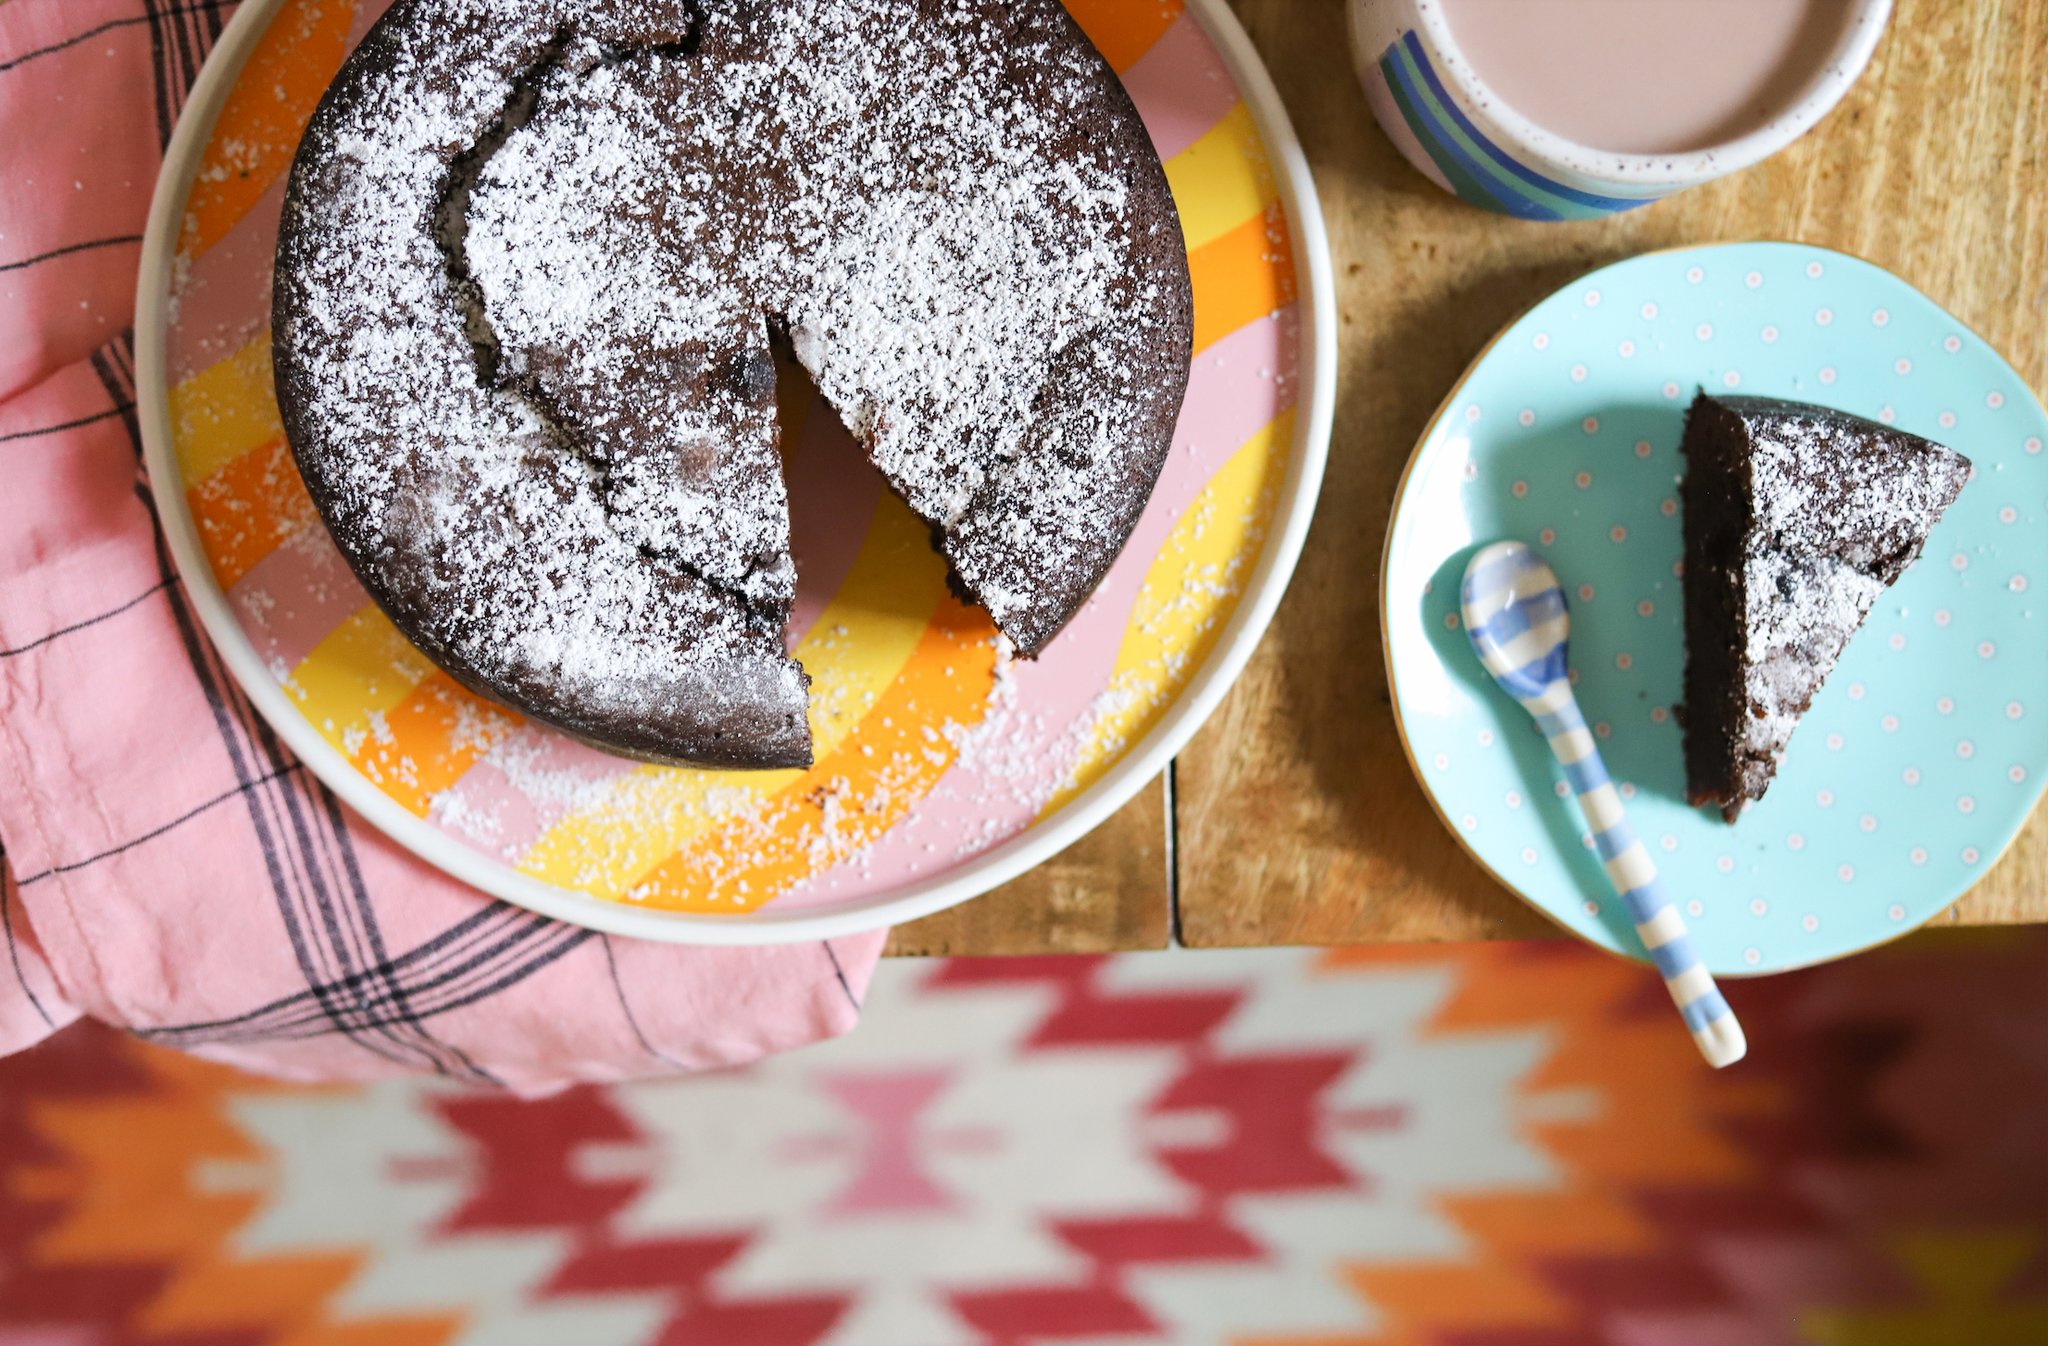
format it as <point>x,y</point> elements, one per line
<point>534,259</point>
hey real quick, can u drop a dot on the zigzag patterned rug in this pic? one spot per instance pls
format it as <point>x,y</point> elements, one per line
<point>1509,1145</point>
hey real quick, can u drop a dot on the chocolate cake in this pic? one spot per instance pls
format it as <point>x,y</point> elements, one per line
<point>536,257</point>
<point>1796,519</point>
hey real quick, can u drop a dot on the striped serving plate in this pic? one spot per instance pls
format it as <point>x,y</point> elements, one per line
<point>941,770</point>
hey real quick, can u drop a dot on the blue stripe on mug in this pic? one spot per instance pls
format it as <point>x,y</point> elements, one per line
<point>1479,171</point>
<point>1553,193</point>
<point>1394,68</point>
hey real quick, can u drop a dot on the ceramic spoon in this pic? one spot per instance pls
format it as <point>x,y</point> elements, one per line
<point>1516,617</point>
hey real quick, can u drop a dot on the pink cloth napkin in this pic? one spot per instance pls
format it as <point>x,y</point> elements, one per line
<point>168,866</point>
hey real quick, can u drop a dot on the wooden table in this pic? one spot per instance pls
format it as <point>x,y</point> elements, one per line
<point>1293,817</point>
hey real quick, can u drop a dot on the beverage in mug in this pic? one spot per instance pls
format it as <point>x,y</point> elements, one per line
<point>1648,76</point>
<point>1569,109</point>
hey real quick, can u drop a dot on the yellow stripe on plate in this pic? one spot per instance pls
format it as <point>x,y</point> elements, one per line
<point>854,652</point>
<point>223,411</point>
<point>1222,180</point>
<point>362,669</point>
<point>863,638</point>
<point>1188,594</point>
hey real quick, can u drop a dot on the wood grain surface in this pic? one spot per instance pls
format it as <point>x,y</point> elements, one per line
<point>1107,891</point>
<point>1299,818</point>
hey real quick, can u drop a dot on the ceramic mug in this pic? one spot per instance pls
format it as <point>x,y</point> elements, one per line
<point>1466,140</point>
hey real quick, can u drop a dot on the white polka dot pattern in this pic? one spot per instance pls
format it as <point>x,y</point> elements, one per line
<point>1576,451</point>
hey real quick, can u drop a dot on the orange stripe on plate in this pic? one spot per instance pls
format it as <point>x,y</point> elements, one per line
<point>889,762</point>
<point>248,507</point>
<point>1242,276</point>
<point>425,742</point>
<point>1124,30</point>
<point>263,118</point>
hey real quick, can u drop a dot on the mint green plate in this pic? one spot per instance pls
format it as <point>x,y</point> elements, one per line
<point>1928,745</point>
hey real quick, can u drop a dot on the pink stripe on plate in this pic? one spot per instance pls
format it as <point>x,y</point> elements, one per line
<point>222,299</point>
<point>1021,754</point>
<point>367,13</point>
<point>292,599</point>
<point>1235,389</point>
<point>1181,87</point>
<point>523,786</point>
<point>1015,762</point>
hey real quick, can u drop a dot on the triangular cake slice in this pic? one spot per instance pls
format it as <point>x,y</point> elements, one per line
<point>1796,518</point>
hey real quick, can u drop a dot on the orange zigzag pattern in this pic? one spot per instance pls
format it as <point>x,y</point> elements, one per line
<point>164,1178</point>
<point>1621,1102</point>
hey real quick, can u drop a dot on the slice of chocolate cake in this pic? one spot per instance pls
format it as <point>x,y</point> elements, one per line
<point>1796,518</point>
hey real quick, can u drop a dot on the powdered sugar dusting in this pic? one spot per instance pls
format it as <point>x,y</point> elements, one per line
<point>533,262</point>
<point>1840,508</point>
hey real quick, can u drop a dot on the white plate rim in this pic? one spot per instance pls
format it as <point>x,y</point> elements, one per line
<point>1315,407</point>
<point>1422,441</point>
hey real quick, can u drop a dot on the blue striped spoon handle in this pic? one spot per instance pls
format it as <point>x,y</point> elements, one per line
<point>1517,619</point>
